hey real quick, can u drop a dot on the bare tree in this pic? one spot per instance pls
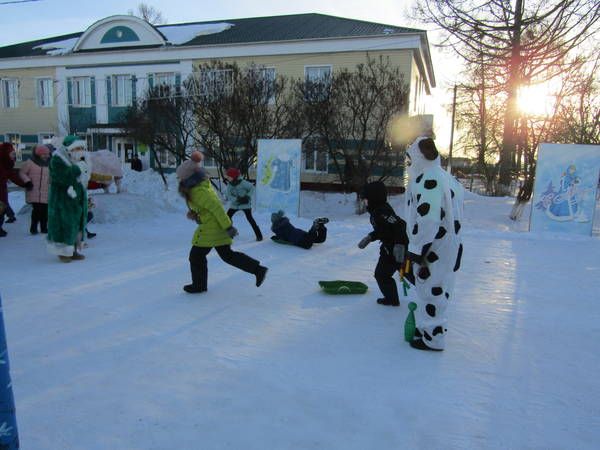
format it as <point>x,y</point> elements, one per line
<point>350,113</point>
<point>234,107</point>
<point>574,118</point>
<point>579,114</point>
<point>526,41</point>
<point>149,13</point>
<point>163,120</point>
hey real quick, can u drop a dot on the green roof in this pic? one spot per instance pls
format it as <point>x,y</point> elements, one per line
<point>249,30</point>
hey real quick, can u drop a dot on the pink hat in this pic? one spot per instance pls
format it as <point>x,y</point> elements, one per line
<point>186,169</point>
<point>196,156</point>
<point>42,150</point>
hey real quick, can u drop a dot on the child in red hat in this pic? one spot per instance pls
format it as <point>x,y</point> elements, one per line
<point>239,194</point>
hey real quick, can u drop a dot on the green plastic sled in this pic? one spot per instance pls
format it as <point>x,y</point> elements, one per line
<point>341,287</point>
<point>281,241</point>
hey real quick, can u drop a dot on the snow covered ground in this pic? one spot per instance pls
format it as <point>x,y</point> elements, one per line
<point>110,353</point>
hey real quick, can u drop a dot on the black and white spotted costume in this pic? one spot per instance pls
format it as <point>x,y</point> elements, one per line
<point>434,212</point>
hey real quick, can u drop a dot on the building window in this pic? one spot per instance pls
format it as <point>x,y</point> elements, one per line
<point>315,155</point>
<point>265,76</point>
<point>45,138</point>
<point>318,81</point>
<point>10,93</point>
<point>208,160</point>
<point>15,140</point>
<point>167,159</point>
<point>81,92</point>
<point>165,83</point>
<point>318,73</point>
<point>44,92</point>
<point>215,83</point>
<point>121,92</point>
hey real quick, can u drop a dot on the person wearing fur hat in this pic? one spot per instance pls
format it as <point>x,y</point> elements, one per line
<point>35,173</point>
<point>434,215</point>
<point>214,229</point>
<point>285,231</point>
<point>67,201</point>
<point>390,230</point>
<point>239,194</point>
<point>7,172</point>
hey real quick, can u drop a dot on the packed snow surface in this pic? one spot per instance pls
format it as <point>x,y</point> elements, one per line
<point>110,353</point>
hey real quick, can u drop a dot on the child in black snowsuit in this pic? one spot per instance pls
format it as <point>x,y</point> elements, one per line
<point>391,231</point>
<point>285,231</point>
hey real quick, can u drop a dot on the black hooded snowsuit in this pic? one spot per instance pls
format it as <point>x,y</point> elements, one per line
<point>390,230</point>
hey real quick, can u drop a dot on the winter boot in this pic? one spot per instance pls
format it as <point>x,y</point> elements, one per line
<point>420,345</point>
<point>261,273</point>
<point>386,302</point>
<point>77,256</point>
<point>90,235</point>
<point>11,219</point>
<point>33,229</point>
<point>191,289</point>
<point>2,233</point>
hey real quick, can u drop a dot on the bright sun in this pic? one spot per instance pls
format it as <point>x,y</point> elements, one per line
<point>536,100</point>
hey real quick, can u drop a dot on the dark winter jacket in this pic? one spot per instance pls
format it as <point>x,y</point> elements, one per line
<point>387,226</point>
<point>285,231</point>
<point>7,171</point>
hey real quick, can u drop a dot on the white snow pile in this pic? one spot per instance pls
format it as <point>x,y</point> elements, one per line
<point>180,34</point>
<point>144,197</point>
<point>58,47</point>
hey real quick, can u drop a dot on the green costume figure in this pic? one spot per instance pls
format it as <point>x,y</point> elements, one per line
<point>67,202</point>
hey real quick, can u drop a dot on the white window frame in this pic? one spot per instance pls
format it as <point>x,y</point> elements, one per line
<point>9,92</point>
<point>212,81</point>
<point>16,144</point>
<point>162,80</point>
<point>83,99</point>
<point>121,90</point>
<point>270,79</point>
<point>320,78</point>
<point>44,96</point>
<point>167,159</point>
<point>318,66</point>
<point>209,161</point>
<point>46,136</point>
<point>313,156</point>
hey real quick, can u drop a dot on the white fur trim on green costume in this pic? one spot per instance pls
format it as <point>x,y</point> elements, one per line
<point>76,144</point>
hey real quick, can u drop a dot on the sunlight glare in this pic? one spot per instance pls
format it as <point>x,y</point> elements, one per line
<point>536,100</point>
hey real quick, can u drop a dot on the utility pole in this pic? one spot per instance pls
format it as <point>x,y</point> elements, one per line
<point>449,166</point>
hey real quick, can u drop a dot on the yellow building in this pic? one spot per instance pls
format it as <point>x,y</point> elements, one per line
<point>82,82</point>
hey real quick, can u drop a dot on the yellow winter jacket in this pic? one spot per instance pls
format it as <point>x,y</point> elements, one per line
<point>203,200</point>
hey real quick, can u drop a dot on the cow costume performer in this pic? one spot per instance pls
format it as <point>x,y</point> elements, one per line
<point>434,216</point>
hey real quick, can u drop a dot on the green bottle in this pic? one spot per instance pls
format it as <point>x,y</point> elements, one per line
<point>405,287</point>
<point>409,323</point>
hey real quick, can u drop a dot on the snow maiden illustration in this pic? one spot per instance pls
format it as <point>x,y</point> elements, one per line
<point>566,204</point>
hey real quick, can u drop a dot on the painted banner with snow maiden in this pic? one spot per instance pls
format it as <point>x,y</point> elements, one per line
<point>566,182</point>
<point>278,175</point>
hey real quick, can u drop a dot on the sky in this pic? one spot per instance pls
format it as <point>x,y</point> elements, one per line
<point>27,21</point>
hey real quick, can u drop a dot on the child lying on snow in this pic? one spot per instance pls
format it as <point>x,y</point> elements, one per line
<point>285,231</point>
